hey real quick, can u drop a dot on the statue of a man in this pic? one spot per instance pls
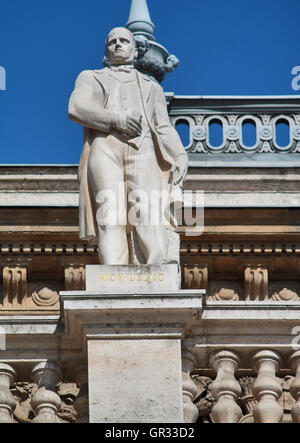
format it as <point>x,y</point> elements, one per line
<point>130,152</point>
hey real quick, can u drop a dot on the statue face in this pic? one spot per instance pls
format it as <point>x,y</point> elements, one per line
<point>120,47</point>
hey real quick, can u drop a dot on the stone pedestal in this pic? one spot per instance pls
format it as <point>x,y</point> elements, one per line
<point>135,380</point>
<point>133,342</point>
<point>127,279</point>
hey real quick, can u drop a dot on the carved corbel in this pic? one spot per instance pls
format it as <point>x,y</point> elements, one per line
<point>256,283</point>
<point>196,277</point>
<point>14,286</point>
<point>75,278</point>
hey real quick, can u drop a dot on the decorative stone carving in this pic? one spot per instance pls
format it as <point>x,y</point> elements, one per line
<point>204,400</point>
<point>285,292</point>
<point>196,277</point>
<point>247,399</point>
<point>199,133</point>
<point>225,292</point>
<point>7,401</point>
<point>81,403</point>
<point>286,400</point>
<point>14,286</point>
<point>266,388</point>
<point>75,278</point>
<point>266,133</point>
<point>225,388</point>
<point>295,387</point>
<point>189,388</point>
<point>256,283</point>
<point>68,393</point>
<point>23,392</point>
<point>45,296</point>
<point>232,147</point>
<point>232,132</point>
<point>46,402</point>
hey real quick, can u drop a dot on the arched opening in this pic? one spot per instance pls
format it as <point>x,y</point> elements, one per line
<point>183,129</point>
<point>215,133</point>
<point>282,131</point>
<point>249,133</point>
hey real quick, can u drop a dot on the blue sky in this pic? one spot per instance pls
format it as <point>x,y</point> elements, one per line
<point>233,47</point>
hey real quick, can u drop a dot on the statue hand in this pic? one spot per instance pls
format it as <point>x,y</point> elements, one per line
<point>179,170</point>
<point>133,124</point>
<point>129,123</point>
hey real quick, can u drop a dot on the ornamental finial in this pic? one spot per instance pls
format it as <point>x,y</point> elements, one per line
<point>139,21</point>
<point>153,59</point>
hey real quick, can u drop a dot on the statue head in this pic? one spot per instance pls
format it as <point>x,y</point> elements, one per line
<point>120,47</point>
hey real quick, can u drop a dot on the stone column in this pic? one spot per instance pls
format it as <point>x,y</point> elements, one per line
<point>46,402</point>
<point>225,388</point>
<point>189,388</point>
<point>7,401</point>
<point>267,388</point>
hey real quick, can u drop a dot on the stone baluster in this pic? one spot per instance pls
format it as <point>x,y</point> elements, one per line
<point>295,387</point>
<point>189,388</point>
<point>7,401</point>
<point>267,388</point>
<point>81,403</point>
<point>225,388</point>
<point>46,402</point>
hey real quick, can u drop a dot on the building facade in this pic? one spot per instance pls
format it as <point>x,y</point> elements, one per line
<point>236,325</point>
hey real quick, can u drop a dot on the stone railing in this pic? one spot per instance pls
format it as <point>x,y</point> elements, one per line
<point>225,392</point>
<point>262,397</point>
<point>264,114</point>
<point>34,392</point>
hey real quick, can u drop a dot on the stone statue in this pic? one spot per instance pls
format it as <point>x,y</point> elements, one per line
<point>131,153</point>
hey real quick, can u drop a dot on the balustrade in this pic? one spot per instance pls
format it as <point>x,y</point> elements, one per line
<point>235,128</point>
<point>231,397</point>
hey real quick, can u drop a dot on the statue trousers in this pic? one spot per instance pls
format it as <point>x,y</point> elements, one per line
<point>126,189</point>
